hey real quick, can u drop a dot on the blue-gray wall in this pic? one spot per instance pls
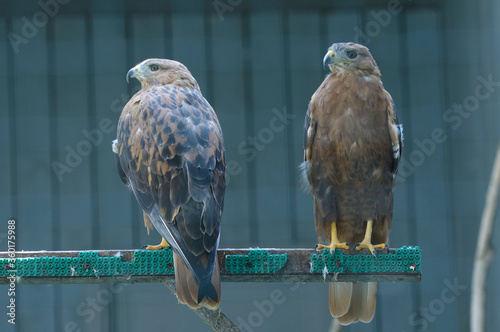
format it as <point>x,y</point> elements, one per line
<point>63,79</point>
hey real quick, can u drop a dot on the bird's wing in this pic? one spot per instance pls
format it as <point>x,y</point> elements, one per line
<point>396,133</point>
<point>308,139</point>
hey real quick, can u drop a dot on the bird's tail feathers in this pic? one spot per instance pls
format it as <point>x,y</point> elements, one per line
<point>188,290</point>
<point>207,289</point>
<point>340,298</point>
<point>353,303</point>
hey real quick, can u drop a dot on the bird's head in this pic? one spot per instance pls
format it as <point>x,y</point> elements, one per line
<point>162,72</point>
<point>350,57</point>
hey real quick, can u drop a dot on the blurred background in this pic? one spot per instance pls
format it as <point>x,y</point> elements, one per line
<point>62,87</point>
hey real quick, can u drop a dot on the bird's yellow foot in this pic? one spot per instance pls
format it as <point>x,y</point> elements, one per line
<point>160,246</point>
<point>334,242</point>
<point>367,241</point>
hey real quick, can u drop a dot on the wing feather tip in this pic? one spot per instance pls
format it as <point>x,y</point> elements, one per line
<point>305,176</point>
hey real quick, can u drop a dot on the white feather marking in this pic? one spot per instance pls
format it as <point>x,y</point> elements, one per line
<point>377,173</point>
<point>395,147</point>
<point>325,273</point>
<point>349,112</point>
<point>395,151</point>
<point>114,146</point>
<point>309,131</point>
<point>328,190</point>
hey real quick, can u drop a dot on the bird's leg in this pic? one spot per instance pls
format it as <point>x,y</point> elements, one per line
<point>149,225</point>
<point>367,241</point>
<point>160,246</point>
<point>334,243</point>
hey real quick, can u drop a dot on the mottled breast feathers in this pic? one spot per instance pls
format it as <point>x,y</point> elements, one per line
<point>352,141</point>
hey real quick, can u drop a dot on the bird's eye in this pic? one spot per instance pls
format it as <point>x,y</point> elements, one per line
<point>154,67</point>
<point>352,54</point>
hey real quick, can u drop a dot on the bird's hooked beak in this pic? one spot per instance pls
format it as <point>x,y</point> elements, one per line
<point>328,59</point>
<point>132,73</point>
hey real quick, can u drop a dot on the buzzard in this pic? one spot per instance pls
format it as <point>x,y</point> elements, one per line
<point>352,147</point>
<point>170,152</point>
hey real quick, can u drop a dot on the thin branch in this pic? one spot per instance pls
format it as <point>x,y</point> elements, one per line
<point>335,326</point>
<point>216,319</point>
<point>484,251</point>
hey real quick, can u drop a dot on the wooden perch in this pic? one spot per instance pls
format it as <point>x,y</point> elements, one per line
<point>296,269</point>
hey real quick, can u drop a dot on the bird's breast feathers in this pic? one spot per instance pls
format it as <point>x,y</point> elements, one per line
<point>352,127</point>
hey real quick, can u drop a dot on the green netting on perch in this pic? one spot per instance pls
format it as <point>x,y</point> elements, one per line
<point>404,260</point>
<point>256,261</point>
<point>88,263</point>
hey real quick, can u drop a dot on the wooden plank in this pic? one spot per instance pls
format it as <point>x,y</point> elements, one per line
<point>228,80</point>
<point>74,148</point>
<point>5,132</point>
<point>111,94</point>
<point>33,183</point>
<point>296,269</point>
<point>267,144</point>
<point>148,37</point>
<point>188,45</point>
<point>305,75</point>
<point>430,181</point>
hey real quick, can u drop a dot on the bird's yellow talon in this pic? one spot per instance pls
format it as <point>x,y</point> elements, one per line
<point>334,242</point>
<point>370,247</point>
<point>367,241</point>
<point>164,244</point>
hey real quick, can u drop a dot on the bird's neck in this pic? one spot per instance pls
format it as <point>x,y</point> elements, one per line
<point>353,79</point>
<point>347,72</point>
<point>179,80</point>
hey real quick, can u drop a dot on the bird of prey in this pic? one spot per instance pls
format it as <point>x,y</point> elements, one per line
<point>170,152</point>
<point>352,147</point>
